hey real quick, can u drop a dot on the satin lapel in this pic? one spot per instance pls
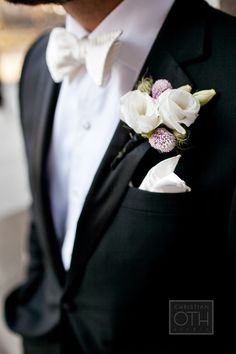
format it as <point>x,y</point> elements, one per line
<point>109,185</point>
<point>44,108</point>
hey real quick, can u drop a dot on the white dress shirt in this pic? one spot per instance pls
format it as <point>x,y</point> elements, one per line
<point>87,115</point>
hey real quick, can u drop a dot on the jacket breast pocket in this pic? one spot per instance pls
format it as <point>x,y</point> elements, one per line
<point>153,224</point>
<point>159,203</point>
<point>157,221</point>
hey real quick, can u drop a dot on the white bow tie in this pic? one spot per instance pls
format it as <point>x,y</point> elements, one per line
<point>66,54</point>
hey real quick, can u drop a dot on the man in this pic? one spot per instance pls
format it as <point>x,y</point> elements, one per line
<point>106,257</point>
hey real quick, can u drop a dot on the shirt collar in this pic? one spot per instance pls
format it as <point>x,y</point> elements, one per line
<point>139,23</point>
<point>74,27</point>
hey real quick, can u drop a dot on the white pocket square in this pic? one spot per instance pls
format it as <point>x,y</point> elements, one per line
<point>162,179</point>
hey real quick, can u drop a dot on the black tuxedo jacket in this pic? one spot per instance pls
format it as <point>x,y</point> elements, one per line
<point>136,250</point>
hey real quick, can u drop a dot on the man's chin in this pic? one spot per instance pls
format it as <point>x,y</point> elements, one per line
<point>37,2</point>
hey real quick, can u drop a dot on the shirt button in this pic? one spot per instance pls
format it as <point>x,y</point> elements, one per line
<point>86,125</point>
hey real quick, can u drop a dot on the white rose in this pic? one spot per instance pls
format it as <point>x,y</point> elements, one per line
<point>139,111</point>
<point>178,106</point>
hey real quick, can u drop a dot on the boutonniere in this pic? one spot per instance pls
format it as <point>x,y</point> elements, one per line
<point>162,114</point>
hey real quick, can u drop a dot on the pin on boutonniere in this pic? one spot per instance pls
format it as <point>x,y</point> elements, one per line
<point>162,114</point>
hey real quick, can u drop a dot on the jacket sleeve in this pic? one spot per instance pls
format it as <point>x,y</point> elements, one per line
<point>232,233</point>
<point>34,252</point>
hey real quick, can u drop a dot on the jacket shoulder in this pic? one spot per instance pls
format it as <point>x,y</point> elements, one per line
<point>222,22</point>
<point>34,59</point>
<point>32,83</point>
<point>221,41</point>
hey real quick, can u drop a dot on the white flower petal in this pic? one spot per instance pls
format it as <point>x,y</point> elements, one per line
<point>139,111</point>
<point>178,107</point>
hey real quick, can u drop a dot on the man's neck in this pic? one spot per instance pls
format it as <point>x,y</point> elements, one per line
<point>89,13</point>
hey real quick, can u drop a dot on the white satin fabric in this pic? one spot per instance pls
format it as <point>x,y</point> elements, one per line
<point>162,179</point>
<point>66,54</point>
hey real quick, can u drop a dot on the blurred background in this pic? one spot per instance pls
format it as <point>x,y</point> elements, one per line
<point>19,27</point>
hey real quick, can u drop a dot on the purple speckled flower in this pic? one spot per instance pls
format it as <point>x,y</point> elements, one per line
<point>162,140</point>
<point>160,86</point>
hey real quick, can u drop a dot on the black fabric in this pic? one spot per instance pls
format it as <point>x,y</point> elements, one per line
<point>135,250</point>
<point>46,344</point>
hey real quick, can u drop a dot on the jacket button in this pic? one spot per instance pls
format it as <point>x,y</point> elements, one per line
<point>68,306</point>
